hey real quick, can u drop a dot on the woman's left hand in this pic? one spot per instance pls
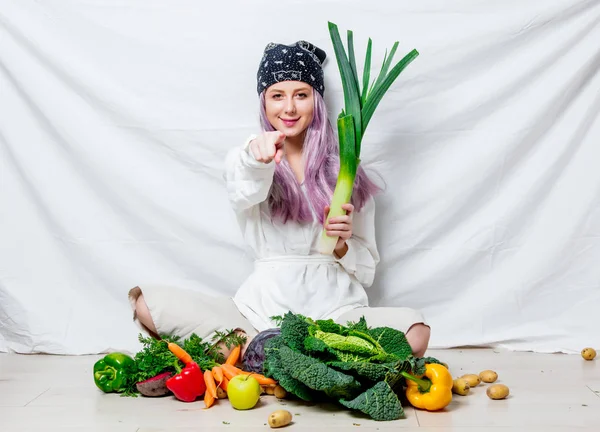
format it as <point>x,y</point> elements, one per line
<point>341,227</point>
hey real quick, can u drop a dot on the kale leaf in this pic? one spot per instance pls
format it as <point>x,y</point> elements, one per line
<point>379,402</point>
<point>317,375</point>
<point>392,341</point>
<point>274,367</point>
<point>360,325</point>
<point>370,371</point>
<point>294,330</point>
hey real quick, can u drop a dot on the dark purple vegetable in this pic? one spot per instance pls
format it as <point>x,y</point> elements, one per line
<point>155,386</point>
<point>254,356</point>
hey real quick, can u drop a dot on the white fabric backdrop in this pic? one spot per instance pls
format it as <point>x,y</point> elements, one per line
<point>115,117</point>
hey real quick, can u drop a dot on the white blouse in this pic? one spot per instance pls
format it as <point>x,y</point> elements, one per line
<point>289,273</point>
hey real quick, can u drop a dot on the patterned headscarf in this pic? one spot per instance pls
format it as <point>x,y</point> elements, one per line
<point>301,61</point>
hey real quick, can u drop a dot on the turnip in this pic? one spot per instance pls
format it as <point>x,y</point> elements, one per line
<point>155,386</point>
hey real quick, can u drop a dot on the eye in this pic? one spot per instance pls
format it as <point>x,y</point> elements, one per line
<point>276,96</point>
<point>302,95</point>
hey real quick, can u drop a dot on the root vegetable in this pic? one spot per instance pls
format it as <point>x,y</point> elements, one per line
<point>234,355</point>
<point>208,399</point>
<point>488,376</point>
<point>155,386</point>
<point>497,391</point>
<point>279,392</point>
<point>270,390</point>
<point>588,353</point>
<point>461,387</point>
<point>211,386</point>
<point>221,394</point>
<point>280,418</point>
<point>472,379</point>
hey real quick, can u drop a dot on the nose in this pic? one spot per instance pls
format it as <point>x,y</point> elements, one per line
<point>290,107</point>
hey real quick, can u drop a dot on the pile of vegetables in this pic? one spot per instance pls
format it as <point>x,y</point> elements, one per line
<point>356,366</point>
<point>187,369</point>
<point>359,367</point>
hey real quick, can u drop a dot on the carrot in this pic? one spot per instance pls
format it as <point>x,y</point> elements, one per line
<point>218,375</point>
<point>263,380</point>
<point>225,383</point>
<point>234,369</point>
<point>180,353</point>
<point>230,371</point>
<point>210,383</point>
<point>209,400</point>
<point>234,355</point>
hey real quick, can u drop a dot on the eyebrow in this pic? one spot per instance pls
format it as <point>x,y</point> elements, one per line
<point>275,90</point>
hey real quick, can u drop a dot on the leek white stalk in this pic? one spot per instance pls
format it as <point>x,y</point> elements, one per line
<point>352,122</point>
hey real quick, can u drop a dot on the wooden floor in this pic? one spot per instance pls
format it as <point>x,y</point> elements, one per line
<point>549,392</point>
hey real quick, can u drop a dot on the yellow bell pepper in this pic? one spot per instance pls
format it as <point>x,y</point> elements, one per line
<point>433,392</point>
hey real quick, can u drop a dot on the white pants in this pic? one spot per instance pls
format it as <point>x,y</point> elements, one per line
<point>181,312</point>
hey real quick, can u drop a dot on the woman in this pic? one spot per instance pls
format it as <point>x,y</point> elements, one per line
<point>280,183</point>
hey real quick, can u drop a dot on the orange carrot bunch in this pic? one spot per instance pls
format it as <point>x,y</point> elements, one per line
<point>220,375</point>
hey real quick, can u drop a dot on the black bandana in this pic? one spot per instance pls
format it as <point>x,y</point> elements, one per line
<point>301,61</point>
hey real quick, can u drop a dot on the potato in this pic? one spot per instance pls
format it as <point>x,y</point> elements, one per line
<point>588,353</point>
<point>497,391</point>
<point>488,376</point>
<point>270,390</point>
<point>279,392</point>
<point>280,418</point>
<point>472,379</point>
<point>221,394</point>
<point>461,386</point>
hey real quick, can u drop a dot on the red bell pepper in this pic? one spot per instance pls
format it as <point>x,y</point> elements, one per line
<point>188,384</point>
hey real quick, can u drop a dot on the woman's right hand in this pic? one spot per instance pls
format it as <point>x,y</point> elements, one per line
<point>268,146</point>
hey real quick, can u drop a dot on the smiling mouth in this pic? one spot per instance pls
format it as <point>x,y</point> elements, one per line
<point>289,122</point>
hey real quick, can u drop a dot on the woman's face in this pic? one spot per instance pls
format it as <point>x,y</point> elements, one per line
<point>289,106</point>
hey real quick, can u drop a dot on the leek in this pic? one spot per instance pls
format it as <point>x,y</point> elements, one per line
<point>359,107</point>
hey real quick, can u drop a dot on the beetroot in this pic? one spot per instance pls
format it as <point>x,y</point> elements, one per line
<point>254,356</point>
<point>155,386</point>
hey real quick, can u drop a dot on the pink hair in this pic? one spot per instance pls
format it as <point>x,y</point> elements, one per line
<point>321,158</point>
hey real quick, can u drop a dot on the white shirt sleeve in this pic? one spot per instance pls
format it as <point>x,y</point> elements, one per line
<point>248,180</point>
<point>362,256</point>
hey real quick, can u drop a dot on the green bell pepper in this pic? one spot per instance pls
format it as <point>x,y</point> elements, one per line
<point>112,373</point>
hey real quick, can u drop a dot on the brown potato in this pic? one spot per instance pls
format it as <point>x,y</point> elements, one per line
<point>280,418</point>
<point>461,387</point>
<point>279,392</point>
<point>588,353</point>
<point>497,391</point>
<point>488,376</point>
<point>221,394</point>
<point>270,390</point>
<point>472,379</point>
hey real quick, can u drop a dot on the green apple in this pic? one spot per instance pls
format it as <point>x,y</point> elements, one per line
<point>243,392</point>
